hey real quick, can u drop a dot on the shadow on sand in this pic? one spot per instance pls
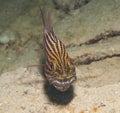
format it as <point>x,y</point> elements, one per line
<point>57,97</point>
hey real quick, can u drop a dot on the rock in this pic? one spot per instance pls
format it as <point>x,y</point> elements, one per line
<point>6,37</point>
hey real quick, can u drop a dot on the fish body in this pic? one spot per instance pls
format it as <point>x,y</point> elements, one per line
<point>59,69</point>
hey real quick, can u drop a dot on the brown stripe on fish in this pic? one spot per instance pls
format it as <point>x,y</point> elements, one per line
<point>52,45</point>
<point>59,47</point>
<point>49,48</point>
<point>51,56</point>
<point>52,52</point>
<point>65,58</point>
<point>50,35</point>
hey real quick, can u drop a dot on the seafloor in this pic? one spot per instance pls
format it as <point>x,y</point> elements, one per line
<point>90,30</point>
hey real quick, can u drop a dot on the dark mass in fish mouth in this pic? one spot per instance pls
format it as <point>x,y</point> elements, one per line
<point>63,83</point>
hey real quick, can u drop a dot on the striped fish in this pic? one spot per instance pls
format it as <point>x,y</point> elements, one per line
<point>59,69</point>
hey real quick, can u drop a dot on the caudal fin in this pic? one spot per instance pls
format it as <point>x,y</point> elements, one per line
<point>46,21</point>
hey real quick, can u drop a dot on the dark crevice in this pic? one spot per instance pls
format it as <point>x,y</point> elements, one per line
<point>69,5</point>
<point>60,6</point>
<point>102,36</point>
<point>88,58</point>
<point>80,3</point>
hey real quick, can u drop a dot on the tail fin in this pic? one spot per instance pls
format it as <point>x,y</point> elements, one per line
<point>46,21</point>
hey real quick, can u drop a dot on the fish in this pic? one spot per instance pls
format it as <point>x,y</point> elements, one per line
<point>59,68</point>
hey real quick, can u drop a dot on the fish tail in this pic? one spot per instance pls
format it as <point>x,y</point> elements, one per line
<point>46,21</point>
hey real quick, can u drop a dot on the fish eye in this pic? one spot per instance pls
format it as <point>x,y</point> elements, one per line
<point>51,66</point>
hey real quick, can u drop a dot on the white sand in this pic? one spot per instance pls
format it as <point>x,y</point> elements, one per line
<point>23,91</point>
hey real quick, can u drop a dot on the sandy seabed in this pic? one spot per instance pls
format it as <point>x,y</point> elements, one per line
<point>25,91</point>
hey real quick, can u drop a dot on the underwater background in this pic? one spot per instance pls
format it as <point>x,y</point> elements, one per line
<point>90,30</point>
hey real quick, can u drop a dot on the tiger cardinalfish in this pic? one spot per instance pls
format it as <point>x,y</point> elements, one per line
<point>59,68</point>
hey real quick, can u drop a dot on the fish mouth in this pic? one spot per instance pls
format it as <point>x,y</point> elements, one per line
<point>63,85</point>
